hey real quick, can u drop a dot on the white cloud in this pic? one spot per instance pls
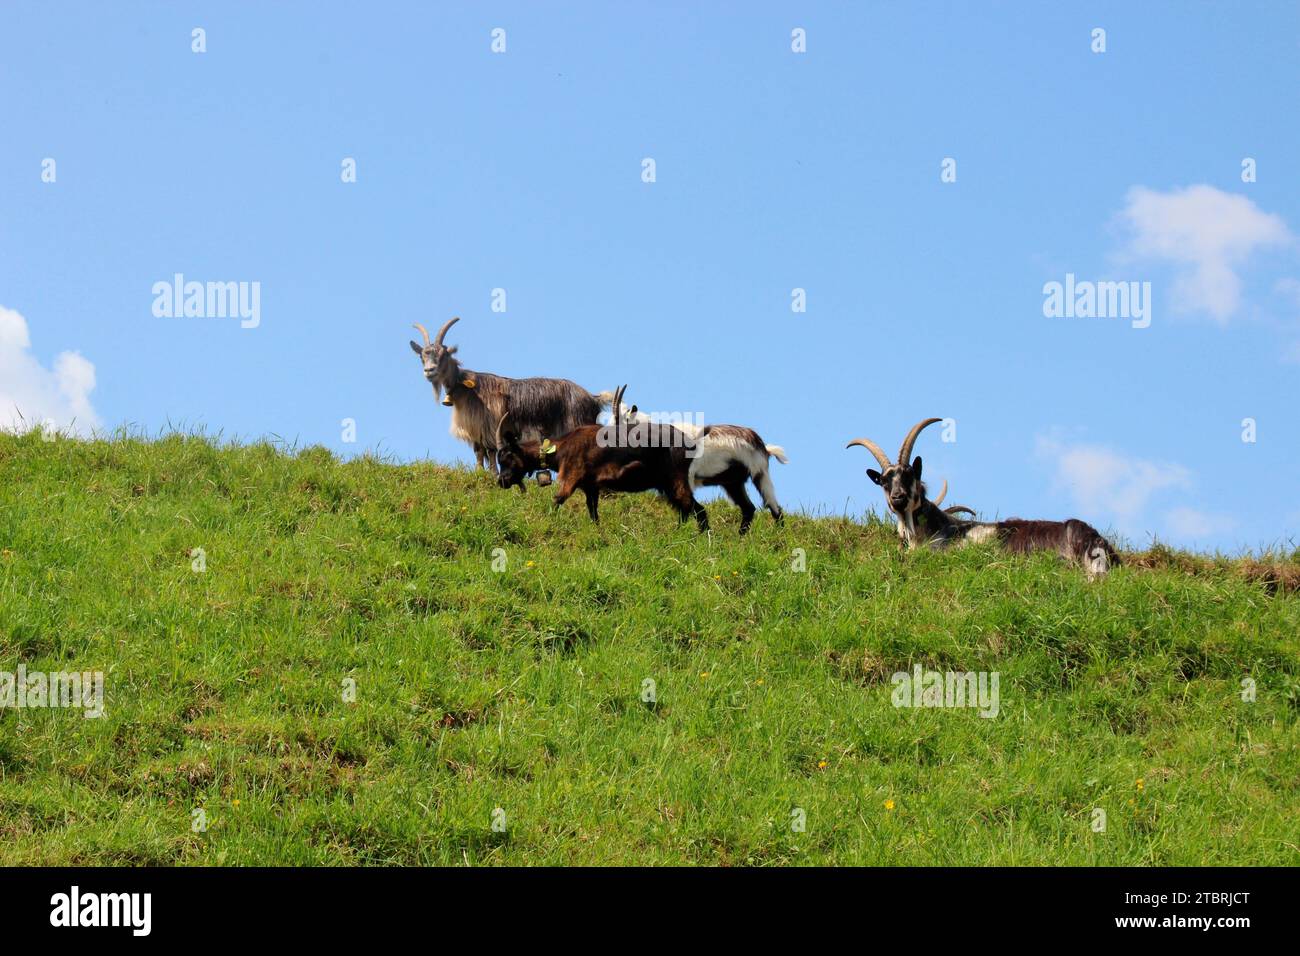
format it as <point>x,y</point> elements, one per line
<point>31,394</point>
<point>1192,523</point>
<point>1207,234</point>
<point>1128,493</point>
<point>1105,483</point>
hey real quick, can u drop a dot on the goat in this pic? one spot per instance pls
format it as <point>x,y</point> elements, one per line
<point>730,455</point>
<point>596,458</point>
<point>727,456</point>
<point>923,522</point>
<point>479,400</point>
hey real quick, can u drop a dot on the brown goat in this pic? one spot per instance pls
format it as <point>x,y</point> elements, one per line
<point>596,458</point>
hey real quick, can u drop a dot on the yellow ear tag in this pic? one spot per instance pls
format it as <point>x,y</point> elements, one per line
<point>547,447</point>
<point>468,382</point>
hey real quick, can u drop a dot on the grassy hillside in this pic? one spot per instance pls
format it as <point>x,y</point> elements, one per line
<point>522,689</point>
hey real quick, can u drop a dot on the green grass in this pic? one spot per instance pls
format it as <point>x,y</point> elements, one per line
<point>522,689</point>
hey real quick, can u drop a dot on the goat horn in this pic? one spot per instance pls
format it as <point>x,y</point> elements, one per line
<point>501,422</point>
<point>424,332</point>
<point>905,452</point>
<point>443,331</point>
<point>872,447</point>
<point>953,509</point>
<point>938,499</point>
<point>618,400</point>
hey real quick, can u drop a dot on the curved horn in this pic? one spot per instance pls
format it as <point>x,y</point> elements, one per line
<point>954,509</point>
<point>905,452</point>
<point>618,401</point>
<point>443,331</point>
<point>501,422</point>
<point>424,332</point>
<point>872,447</point>
<point>938,499</point>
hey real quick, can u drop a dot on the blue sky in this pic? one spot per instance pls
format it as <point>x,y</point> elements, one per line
<point>775,170</point>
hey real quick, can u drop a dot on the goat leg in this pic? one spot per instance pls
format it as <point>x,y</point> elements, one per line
<point>763,482</point>
<point>563,491</point>
<point>736,492</point>
<point>679,493</point>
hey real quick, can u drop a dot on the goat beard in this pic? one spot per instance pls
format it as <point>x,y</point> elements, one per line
<point>907,517</point>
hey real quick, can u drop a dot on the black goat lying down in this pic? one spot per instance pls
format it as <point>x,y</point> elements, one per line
<point>922,522</point>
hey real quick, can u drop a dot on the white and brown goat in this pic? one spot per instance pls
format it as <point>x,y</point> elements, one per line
<point>727,456</point>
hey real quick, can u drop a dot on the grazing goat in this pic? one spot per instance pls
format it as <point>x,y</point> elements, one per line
<point>923,522</point>
<point>479,400</point>
<point>596,458</point>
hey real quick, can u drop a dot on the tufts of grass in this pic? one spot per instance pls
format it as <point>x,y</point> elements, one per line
<point>378,660</point>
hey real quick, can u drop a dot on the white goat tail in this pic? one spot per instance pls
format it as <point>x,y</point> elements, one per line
<point>777,452</point>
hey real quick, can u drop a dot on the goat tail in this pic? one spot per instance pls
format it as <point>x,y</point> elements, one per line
<point>777,452</point>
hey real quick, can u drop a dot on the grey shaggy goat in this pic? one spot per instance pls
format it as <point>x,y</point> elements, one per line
<point>538,407</point>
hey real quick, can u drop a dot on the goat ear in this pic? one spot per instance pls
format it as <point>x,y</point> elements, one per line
<point>916,468</point>
<point>416,348</point>
<point>873,475</point>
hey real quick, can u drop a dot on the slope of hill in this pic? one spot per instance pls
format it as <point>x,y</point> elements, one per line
<point>371,663</point>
